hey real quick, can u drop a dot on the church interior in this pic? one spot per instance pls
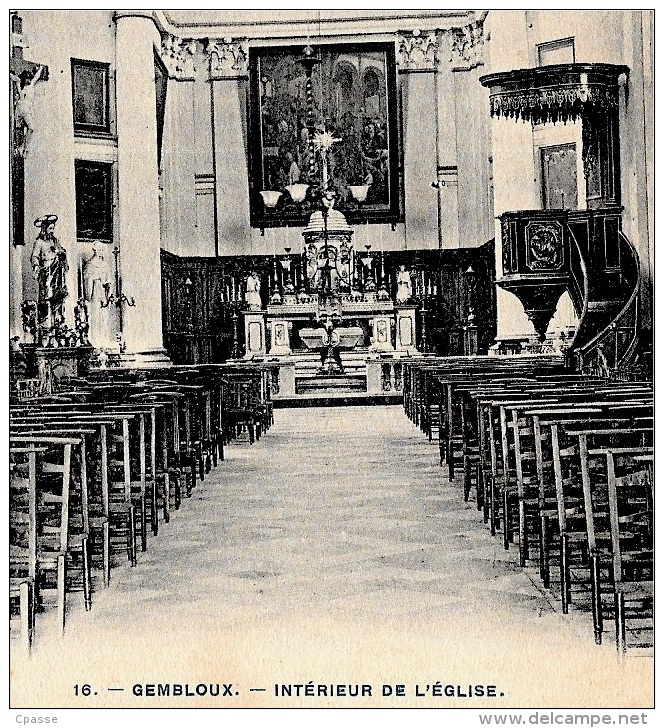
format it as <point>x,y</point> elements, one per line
<point>332,328</point>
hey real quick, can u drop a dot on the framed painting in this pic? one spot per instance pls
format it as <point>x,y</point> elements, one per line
<point>351,95</point>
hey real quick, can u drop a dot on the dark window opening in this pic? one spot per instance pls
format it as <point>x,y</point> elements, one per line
<point>94,201</point>
<point>90,96</point>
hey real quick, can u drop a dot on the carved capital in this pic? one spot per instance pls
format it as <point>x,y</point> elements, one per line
<point>418,51</point>
<point>228,58</point>
<point>467,46</point>
<point>179,56</point>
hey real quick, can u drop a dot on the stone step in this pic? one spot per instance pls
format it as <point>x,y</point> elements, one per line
<point>308,363</point>
<point>327,384</point>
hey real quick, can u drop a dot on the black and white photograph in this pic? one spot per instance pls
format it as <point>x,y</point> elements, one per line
<point>331,362</point>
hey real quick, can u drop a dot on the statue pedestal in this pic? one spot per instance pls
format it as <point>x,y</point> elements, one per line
<point>254,333</point>
<point>55,364</point>
<point>405,337</point>
<point>280,337</point>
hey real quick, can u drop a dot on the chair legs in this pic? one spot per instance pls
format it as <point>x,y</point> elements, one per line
<point>61,591</point>
<point>87,583</point>
<point>27,614</point>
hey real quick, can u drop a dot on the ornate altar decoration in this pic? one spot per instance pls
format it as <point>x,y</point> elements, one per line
<point>328,250</point>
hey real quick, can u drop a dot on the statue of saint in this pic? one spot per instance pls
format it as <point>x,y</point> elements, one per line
<point>49,266</point>
<point>404,285</point>
<point>252,296</point>
<point>96,271</point>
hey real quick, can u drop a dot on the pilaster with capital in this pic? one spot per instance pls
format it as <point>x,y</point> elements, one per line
<point>417,51</point>
<point>228,61</point>
<point>418,63</point>
<point>467,46</point>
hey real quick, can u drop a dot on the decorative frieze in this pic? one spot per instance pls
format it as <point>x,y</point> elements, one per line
<point>418,51</point>
<point>553,104</point>
<point>228,58</point>
<point>179,56</point>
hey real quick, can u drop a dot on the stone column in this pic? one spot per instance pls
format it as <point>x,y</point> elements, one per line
<point>418,61</point>
<point>138,187</point>
<point>228,77</point>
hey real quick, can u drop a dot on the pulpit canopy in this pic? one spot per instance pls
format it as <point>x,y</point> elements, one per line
<point>557,93</point>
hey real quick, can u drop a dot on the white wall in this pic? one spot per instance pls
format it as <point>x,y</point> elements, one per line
<point>52,39</point>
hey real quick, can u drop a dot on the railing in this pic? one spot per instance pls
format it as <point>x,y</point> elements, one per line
<point>610,352</point>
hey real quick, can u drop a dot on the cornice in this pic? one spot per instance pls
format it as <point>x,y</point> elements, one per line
<point>272,25</point>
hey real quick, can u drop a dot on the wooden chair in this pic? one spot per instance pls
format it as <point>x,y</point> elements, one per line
<point>629,574</point>
<point>61,544</point>
<point>23,537</point>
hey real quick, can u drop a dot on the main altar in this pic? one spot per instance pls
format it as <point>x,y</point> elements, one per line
<point>331,321</point>
<point>330,312</point>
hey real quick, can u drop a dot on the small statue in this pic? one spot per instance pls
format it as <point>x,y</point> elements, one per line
<point>383,294</point>
<point>29,319</point>
<point>404,285</point>
<point>330,356</point>
<point>82,322</point>
<point>252,296</point>
<point>275,298</point>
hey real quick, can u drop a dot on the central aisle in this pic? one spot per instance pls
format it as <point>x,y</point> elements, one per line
<point>333,550</point>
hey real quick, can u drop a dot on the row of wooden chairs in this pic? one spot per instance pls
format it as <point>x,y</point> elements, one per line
<point>561,466</point>
<point>96,467</point>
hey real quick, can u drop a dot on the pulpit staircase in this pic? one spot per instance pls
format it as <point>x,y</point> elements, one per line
<point>607,336</point>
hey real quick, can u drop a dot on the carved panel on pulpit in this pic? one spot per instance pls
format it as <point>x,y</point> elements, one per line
<point>544,246</point>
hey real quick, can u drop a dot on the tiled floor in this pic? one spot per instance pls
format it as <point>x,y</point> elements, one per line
<point>333,550</point>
